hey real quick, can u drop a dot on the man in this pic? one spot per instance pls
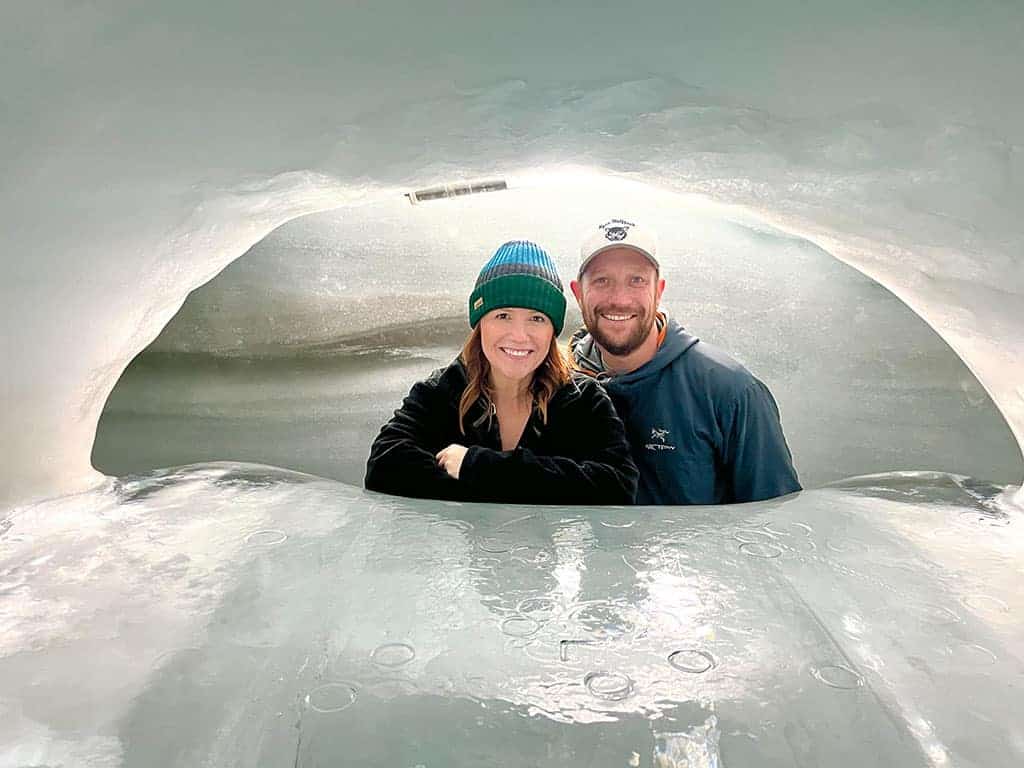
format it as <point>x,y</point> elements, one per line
<point>701,427</point>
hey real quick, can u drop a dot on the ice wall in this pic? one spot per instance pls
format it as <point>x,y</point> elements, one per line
<point>145,147</point>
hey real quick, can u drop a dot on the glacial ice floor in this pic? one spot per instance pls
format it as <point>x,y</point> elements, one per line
<point>236,614</point>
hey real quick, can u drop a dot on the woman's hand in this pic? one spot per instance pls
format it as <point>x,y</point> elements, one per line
<point>450,459</point>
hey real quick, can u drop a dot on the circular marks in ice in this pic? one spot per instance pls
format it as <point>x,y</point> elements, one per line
<point>780,528</point>
<point>393,655</point>
<point>462,526</point>
<point>798,535</point>
<point>530,605</point>
<point>266,538</point>
<point>519,626</point>
<point>332,697</point>
<point>604,619</point>
<point>610,524</point>
<point>692,660</point>
<point>531,555</point>
<point>610,686</point>
<point>985,604</point>
<point>838,676</point>
<point>987,519</point>
<point>749,536</point>
<point>767,551</point>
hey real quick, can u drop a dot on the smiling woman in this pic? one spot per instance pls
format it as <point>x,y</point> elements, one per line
<point>507,421</point>
<point>507,350</point>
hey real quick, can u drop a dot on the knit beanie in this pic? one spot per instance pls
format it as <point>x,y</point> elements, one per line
<point>520,274</point>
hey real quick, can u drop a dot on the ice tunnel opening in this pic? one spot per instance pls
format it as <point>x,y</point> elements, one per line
<point>299,350</point>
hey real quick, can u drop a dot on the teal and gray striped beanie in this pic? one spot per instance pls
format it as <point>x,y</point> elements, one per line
<point>520,274</point>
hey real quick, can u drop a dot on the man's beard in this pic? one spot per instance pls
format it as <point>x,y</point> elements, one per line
<point>644,322</point>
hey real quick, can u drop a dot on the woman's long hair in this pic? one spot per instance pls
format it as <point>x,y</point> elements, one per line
<point>550,376</point>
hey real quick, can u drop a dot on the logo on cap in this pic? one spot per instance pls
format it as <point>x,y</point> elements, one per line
<point>616,230</point>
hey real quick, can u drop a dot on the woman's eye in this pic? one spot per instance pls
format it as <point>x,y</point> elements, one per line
<point>539,318</point>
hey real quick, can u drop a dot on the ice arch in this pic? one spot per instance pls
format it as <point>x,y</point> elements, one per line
<point>145,149</point>
<point>296,353</point>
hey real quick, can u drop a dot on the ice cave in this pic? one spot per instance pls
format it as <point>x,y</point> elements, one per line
<point>218,282</point>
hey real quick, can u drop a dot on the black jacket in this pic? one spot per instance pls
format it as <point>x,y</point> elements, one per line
<point>579,457</point>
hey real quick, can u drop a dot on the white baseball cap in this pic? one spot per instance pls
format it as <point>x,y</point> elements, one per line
<point>619,233</point>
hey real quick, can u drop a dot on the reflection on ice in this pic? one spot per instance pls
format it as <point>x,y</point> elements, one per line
<point>698,748</point>
<point>240,614</point>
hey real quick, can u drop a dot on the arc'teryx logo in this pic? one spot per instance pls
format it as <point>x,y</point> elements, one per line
<point>661,435</point>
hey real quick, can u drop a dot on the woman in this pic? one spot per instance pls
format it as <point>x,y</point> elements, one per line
<point>507,421</point>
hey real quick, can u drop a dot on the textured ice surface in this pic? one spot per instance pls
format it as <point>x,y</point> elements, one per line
<point>231,614</point>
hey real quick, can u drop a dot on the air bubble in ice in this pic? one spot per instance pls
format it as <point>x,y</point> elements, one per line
<point>692,660</point>
<point>747,536</point>
<point>611,686</point>
<point>332,697</point>
<point>838,676</point>
<point>266,538</point>
<point>767,551</point>
<point>494,546</point>
<point>393,655</point>
<point>985,604</point>
<point>519,626</point>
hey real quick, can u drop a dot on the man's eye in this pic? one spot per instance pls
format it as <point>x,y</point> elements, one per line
<point>600,281</point>
<point>638,280</point>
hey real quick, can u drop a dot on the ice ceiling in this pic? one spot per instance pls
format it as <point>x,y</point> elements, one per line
<point>146,147</point>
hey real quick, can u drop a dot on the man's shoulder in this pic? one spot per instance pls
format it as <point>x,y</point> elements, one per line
<point>706,362</point>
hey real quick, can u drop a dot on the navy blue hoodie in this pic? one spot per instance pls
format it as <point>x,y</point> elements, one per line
<point>701,427</point>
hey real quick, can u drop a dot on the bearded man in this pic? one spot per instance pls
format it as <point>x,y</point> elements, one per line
<point>702,428</point>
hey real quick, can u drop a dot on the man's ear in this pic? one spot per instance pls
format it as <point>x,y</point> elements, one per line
<point>661,290</point>
<point>577,291</point>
